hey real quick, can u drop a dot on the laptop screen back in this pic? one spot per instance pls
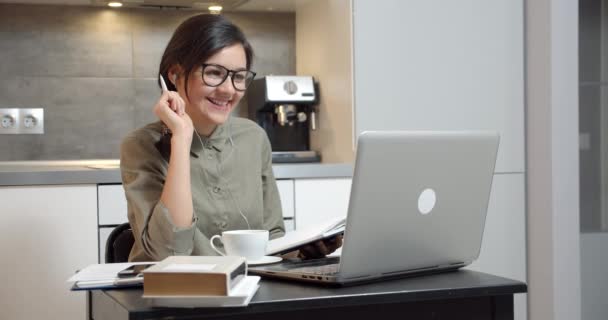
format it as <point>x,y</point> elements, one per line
<point>418,200</point>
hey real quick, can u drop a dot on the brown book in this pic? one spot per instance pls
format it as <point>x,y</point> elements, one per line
<point>194,276</point>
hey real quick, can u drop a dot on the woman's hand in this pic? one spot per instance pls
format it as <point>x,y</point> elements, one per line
<point>171,110</point>
<point>320,248</point>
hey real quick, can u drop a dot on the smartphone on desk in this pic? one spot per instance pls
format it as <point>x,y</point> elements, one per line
<point>134,270</point>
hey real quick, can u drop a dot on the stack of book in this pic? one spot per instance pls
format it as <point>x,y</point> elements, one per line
<point>199,281</point>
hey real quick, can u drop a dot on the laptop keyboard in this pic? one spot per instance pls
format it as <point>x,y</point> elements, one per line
<point>328,269</point>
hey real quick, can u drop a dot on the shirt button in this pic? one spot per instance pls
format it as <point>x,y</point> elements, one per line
<point>223,225</point>
<point>216,189</point>
<point>210,157</point>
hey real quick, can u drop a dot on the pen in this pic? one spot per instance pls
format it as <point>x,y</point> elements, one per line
<point>163,85</point>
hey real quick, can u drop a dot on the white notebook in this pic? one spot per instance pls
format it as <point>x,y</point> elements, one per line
<point>104,276</point>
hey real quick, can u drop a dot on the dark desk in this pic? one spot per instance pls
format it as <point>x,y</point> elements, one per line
<point>455,295</point>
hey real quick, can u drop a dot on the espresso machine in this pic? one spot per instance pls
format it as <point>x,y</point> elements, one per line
<point>284,106</point>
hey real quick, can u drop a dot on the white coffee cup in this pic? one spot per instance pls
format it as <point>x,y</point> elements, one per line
<point>250,244</point>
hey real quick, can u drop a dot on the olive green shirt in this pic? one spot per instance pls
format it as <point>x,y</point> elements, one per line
<point>231,172</point>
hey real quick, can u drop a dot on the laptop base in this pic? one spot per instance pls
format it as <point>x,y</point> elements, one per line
<point>290,269</point>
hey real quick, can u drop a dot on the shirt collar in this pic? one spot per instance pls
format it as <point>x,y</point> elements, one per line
<point>217,140</point>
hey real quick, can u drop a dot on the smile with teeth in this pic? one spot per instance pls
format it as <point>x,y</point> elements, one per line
<point>219,103</point>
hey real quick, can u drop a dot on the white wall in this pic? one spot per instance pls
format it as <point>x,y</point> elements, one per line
<point>442,64</point>
<point>552,159</point>
<point>452,65</point>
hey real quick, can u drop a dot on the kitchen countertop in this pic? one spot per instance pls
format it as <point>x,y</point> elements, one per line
<point>21,173</point>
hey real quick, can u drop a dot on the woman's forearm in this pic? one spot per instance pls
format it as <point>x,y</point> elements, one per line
<point>177,193</point>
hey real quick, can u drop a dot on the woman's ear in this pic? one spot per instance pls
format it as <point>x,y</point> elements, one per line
<point>174,74</point>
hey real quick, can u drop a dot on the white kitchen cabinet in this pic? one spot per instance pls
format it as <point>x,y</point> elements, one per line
<point>112,204</point>
<point>47,233</point>
<point>104,233</point>
<point>290,224</point>
<point>112,211</point>
<point>286,193</point>
<point>318,200</point>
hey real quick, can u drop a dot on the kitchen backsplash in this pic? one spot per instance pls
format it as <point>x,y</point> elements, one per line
<point>93,70</point>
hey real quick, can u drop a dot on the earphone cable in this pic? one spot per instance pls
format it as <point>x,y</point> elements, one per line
<point>219,170</point>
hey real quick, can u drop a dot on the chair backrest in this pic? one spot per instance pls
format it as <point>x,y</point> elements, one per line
<point>119,244</point>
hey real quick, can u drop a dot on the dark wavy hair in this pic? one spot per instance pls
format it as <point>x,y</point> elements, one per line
<point>196,40</point>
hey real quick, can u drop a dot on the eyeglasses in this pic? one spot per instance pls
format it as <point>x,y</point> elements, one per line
<point>214,75</point>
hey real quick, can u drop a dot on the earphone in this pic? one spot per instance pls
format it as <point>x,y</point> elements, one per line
<point>219,164</point>
<point>219,169</point>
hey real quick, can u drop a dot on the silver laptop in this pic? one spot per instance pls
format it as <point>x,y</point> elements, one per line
<point>418,204</point>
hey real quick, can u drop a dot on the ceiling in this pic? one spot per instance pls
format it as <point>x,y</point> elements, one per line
<point>229,5</point>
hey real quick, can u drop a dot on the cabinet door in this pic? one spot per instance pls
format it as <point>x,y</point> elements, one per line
<point>319,200</point>
<point>112,204</point>
<point>104,233</point>
<point>47,233</point>
<point>285,187</point>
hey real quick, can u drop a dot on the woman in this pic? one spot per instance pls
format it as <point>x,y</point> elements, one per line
<point>198,171</point>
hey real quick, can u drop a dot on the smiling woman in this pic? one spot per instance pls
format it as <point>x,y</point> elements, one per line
<point>181,191</point>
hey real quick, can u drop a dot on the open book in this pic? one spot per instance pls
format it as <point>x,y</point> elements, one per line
<point>295,239</point>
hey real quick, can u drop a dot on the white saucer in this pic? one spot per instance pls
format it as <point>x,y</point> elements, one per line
<point>264,260</point>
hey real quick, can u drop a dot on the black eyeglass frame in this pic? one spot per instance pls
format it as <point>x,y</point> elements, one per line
<point>228,73</point>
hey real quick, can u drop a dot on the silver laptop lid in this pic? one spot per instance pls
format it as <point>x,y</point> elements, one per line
<point>418,200</point>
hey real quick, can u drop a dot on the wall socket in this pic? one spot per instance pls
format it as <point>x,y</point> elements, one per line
<point>22,121</point>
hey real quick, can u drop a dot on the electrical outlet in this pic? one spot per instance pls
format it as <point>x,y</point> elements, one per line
<point>21,120</point>
<point>9,118</point>
<point>8,121</point>
<point>31,120</point>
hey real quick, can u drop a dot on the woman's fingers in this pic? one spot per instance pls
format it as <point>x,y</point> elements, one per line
<point>308,252</point>
<point>314,251</point>
<point>182,106</point>
<point>334,243</point>
<point>322,248</point>
<point>170,109</point>
<point>174,101</point>
<point>161,105</point>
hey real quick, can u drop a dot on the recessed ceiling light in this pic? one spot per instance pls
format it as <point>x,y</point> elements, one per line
<point>215,9</point>
<point>115,4</point>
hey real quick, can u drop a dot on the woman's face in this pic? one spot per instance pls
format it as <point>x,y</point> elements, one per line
<point>210,106</point>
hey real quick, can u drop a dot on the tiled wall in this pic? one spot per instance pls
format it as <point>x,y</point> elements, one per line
<point>93,70</point>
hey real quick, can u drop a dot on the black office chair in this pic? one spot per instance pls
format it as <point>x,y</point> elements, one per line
<point>119,244</point>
